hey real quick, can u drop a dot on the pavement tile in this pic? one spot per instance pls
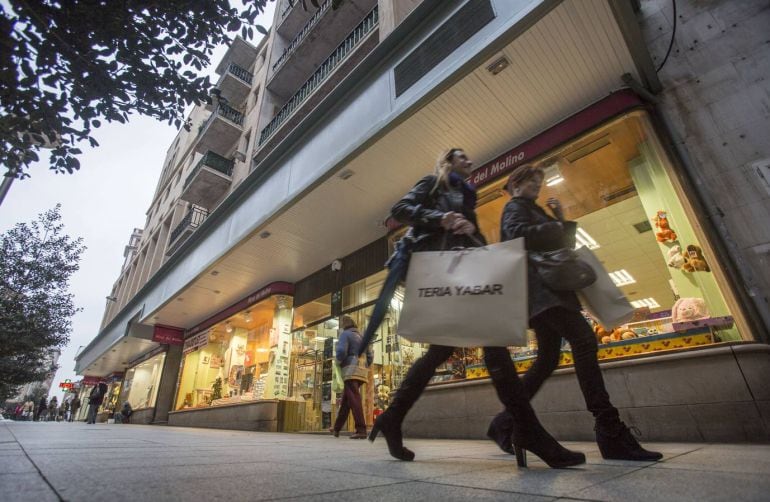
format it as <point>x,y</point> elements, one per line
<point>24,487</point>
<point>650,483</point>
<point>723,458</point>
<point>537,479</point>
<point>15,463</point>
<point>417,490</point>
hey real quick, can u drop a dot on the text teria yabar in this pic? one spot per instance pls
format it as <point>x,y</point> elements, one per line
<point>478,289</point>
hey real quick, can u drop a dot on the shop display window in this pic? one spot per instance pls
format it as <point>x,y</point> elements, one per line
<point>312,312</point>
<point>140,385</point>
<point>617,183</point>
<point>244,358</point>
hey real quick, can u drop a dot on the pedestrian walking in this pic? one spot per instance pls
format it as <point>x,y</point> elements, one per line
<point>53,409</point>
<point>555,315</point>
<point>355,371</point>
<point>440,210</point>
<point>29,410</point>
<point>95,399</point>
<point>74,407</point>
<point>42,409</point>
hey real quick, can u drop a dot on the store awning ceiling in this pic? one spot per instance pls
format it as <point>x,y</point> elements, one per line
<point>572,57</point>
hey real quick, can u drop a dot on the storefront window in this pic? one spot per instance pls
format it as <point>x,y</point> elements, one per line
<point>140,386</point>
<point>312,312</point>
<point>242,359</point>
<point>616,183</point>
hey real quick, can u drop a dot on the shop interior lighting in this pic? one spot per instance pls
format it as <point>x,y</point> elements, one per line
<point>582,238</point>
<point>247,316</point>
<point>228,327</point>
<point>622,277</point>
<point>552,175</point>
<point>646,302</point>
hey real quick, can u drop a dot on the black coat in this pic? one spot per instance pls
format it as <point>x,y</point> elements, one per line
<point>541,232</point>
<point>424,206</point>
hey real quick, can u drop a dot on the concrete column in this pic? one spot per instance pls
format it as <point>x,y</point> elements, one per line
<point>167,385</point>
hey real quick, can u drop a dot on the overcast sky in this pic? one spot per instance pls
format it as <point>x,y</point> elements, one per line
<point>102,202</point>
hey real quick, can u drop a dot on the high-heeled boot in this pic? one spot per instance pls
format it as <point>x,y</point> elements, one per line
<point>617,443</point>
<point>390,426</point>
<point>528,433</point>
<point>501,430</point>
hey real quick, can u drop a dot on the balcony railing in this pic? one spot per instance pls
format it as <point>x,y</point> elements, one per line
<point>240,73</point>
<point>327,67</point>
<point>194,217</point>
<point>214,161</point>
<point>301,35</point>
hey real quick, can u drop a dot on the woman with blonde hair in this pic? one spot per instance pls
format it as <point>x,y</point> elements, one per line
<point>441,212</point>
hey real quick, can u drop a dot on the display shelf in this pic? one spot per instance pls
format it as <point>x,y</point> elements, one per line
<point>725,322</point>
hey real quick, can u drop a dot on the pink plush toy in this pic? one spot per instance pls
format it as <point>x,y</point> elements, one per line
<point>689,309</point>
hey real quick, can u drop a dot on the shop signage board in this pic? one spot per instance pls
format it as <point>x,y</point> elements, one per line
<point>584,120</point>
<point>275,288</point>
<point>168,335</point>
<point>66,384</point>
<point>91,380</point>
<point>194,342</point>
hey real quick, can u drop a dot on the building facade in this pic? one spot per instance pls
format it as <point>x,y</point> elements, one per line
<point>269,219</point>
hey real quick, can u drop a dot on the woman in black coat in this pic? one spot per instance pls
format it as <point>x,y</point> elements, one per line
<point>440,210</point>
<point>555,315</point>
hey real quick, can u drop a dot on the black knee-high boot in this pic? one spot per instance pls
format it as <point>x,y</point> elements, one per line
<point>528,433</point>
<point>418,376</point>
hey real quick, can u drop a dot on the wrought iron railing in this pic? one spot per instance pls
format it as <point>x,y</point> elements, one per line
<point>326,68</point>
<point>302,34</point>
<point>194,217</point>
<point>214,161</point>
<point>240,73</point>
<point>224,111</point>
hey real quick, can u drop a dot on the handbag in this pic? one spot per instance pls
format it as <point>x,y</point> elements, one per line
<point>338,381</point>
<point>562,269</point>
<point>357,370</point>
<point>474,297</point>
<point>603,299</point>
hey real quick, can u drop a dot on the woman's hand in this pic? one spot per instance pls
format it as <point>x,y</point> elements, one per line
<point>555,206</point>
<point>457,224</point>
<point>449,219</point>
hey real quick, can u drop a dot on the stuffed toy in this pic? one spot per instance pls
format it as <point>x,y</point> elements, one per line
<point>694,260</point>
<point>661,223</point>
<point>675,258</point>
<point>689,309</point>
<point>601,334</point>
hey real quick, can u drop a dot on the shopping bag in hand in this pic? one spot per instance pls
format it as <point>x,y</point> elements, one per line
<point>475,297</point>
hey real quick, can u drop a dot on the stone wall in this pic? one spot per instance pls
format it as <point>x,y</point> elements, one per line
<point>716,101</point>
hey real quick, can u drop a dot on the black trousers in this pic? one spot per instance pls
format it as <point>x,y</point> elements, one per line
<point>550,327</point>
<point>509,388</point>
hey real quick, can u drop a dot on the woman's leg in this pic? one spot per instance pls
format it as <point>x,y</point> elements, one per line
<point>353,391</point>
<point>342,413</point>
<point>548,353</point>
<point>612,435</point>
<point>528,433</point>
<point>418,376</point>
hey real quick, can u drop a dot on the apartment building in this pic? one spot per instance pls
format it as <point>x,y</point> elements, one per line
<point>269,219</point>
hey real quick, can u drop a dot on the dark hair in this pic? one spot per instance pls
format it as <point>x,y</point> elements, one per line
<point>348,322</point>
<point>522,174</point>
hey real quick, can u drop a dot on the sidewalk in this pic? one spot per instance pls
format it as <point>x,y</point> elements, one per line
<point>79,462</point>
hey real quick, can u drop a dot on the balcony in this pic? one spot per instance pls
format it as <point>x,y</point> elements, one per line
<point>308,47</point>
<point>221,130</point>
<point>235,84</point>
<point>209,180</point>
<point>192,220</point>
<point>293,17</point>
<point>338,58</point>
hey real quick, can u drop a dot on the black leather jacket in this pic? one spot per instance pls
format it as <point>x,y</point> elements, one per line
<point>422,209</point>
<point>541,232</point>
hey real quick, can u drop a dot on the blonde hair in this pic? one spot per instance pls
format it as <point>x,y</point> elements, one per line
<point>444,165</point>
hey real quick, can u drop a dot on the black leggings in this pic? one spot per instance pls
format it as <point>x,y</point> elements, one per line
<point>509,388</point>
<point>550,327</point>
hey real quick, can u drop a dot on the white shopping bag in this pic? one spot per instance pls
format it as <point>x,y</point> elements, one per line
<point>603,300</point>
<point>474,297</point>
